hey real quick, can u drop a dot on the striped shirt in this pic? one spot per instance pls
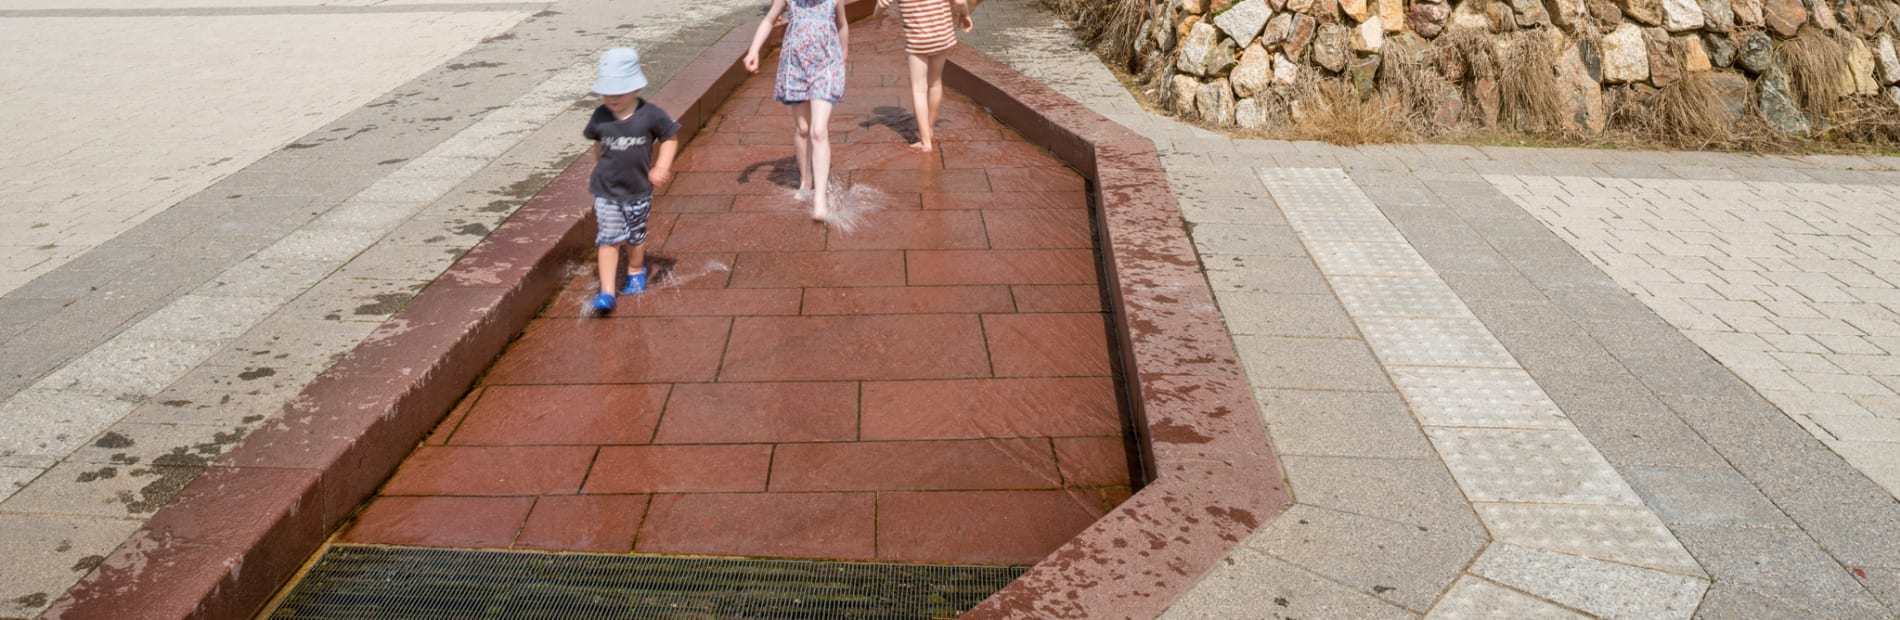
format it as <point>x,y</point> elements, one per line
<point>929,27</point>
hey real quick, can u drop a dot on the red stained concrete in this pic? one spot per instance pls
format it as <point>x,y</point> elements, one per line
<point>930,385</point>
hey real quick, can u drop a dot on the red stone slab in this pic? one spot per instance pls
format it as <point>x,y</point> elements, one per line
<point>851,348</point>
<point>659,350</point>
<point>782,525</point>
<point>492,470</point>
<point>1038,179</point>
<point>992,201</point>
<point>915,465</point>
<point>923,181</point>
<point>1047,345</point>
<point>1093,461</point>
<point>569,415</point>
<point>442,431</point>
<point>667,300</point>
<point>598,523</point>
<point>728,158</point>
<point>818,269</point>
<point>1066,407</point>
<point>693,204</point>
<point>1058,298</point>
<point>674,469</point>
<point>1039,229</point>
<point>760,413</point>
<point>908,300</point>
<point>912,230</point>
<point>980,527</point>
<point>441,521</point>
<point>745,232</point>
<point>964,267</point>
<point>996,154</point>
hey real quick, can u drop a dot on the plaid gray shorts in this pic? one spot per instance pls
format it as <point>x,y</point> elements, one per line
<point>621,221</point>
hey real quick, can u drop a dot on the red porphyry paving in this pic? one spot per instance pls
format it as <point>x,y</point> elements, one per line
<point>929,383</point>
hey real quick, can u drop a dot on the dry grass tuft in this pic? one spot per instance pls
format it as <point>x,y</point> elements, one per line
<point>1331,111</point>
<point>1865,119</point>
<point>1111,27</point>
<point>1689,113</point>
<point>1412,82</point>
<point>1532,100</point>
<point>1815,64</point>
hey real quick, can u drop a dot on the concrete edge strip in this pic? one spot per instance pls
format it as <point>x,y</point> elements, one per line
<point>1212,476</point>
<point>236,534</point>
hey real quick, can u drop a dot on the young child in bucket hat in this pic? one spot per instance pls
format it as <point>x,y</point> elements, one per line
<point>627,167</point>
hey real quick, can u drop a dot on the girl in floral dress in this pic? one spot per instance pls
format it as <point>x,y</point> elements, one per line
<point>810,80</point>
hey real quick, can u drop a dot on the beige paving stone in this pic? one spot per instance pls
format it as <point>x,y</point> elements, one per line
<point>1474,598</point>
<point>1598,588</point>
<point>71,545</point>
<point>1624,534</point>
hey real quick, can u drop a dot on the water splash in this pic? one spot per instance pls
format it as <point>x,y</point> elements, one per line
<point>851,205</point>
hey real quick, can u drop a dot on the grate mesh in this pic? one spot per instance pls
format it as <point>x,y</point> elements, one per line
<point>352,582</point>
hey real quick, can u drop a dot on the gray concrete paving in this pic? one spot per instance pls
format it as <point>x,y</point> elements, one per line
<point>1503,382</point>
<point>1571,383</point>
<point>146,323</point>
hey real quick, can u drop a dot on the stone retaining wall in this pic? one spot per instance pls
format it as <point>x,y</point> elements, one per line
<point>1243,63</point>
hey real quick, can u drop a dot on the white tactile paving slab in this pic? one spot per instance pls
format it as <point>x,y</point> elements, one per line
<point>1405,341</point>
<point>1480,397</point>
<point>1537,482</point>
<point>1472,598</point>
<point>1525,465</point>
<point>1397,296</point>
<point>1364,258</point>
<point>1793,286</point>
<point>1625,534</point>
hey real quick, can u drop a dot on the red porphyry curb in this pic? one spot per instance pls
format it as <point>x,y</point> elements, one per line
<point>1212,476</point>
<point>236,534</point>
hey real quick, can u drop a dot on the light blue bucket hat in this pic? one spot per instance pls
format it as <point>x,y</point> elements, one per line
<point>620,72</point>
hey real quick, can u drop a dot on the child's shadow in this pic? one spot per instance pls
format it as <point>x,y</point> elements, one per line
<point>783,172</point>
<point>897,119</point>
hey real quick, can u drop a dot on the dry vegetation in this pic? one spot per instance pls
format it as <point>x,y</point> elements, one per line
<point>1532,101</point>
<point>1332,111</point>
<point>1412,85</point>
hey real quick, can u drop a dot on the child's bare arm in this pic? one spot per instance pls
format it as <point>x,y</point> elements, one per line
<point>961,10</point>
<point>662,171</point>
<point>844,32</point>
<point>758,36</point>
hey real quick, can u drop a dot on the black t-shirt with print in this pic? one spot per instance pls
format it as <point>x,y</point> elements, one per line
<point>626,150</point>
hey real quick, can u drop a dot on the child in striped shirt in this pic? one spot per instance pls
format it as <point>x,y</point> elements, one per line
<point>929,32</point>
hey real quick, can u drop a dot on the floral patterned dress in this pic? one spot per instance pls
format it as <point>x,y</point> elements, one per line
<point>811,60</point>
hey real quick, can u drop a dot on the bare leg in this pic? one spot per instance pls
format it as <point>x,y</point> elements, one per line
<point>936,88</point>
<point>820,157</point>
<point>636,259</point>
<point>801,145</point>
<point>920,87</point>
<point>609,256</point>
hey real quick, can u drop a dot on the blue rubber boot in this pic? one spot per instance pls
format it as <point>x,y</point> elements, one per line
<point>604,303</point>
<point>636,282</point>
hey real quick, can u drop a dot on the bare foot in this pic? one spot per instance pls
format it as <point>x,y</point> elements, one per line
<point>921,147</point>
<point>802,195</point>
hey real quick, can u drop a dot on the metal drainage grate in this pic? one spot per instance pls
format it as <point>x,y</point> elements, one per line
<point>371,583</point>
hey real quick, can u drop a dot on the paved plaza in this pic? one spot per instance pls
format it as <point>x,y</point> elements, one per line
<point>1502,382</point>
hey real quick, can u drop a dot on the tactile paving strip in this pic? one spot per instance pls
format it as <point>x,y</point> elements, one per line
<point>1483,397</point>
<point>1536,480</point>
<point>1627,534</point>
<point>1397,296</point>
<point>1539,466</point>
<point>1402,341</point>
<point>1361,258</point>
